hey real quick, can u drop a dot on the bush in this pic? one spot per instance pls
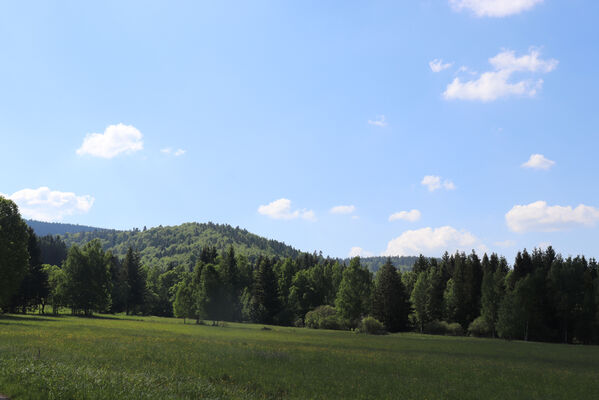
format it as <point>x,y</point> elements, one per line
<point>323,317</point>
<point>371,326</point>
<point>444,328</point>
<point>455,329</point>
<point>479,328</point>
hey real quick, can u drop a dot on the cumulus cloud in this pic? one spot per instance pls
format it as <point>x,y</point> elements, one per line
<point>281,209</point>
<point>50,205</point>
<point>494,8</point>
<point>169,151</point>
<point>437,65</point>
<point>495,84</point>
<point>343,209</point>
<point>433,242</point>
<point>411,216</point>
<point>359,252</point>
<point>538,161</point>
<point>116,139</point>
<point>540,217</point>
<point>379,121</point>
<point>434,182</point>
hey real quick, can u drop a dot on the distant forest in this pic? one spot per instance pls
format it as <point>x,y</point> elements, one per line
<point>179,245</point>
<point>219,273</point>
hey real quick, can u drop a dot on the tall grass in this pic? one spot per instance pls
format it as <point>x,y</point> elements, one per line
<point>158,358</point>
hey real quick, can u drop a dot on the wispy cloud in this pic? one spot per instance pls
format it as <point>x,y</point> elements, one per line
<point>170,151</point>
<point>343,209</point>
<point>434,182</point>
<point>410,216</point>
<point>492,85</point>
<point>437,65</point>
<point>494,8</point>
<point>379,121</point>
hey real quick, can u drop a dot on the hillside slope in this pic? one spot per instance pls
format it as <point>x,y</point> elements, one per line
<point>57,228</point>
<point>182,244</point>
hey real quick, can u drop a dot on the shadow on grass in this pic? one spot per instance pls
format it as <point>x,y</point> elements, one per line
<point>26,317</point>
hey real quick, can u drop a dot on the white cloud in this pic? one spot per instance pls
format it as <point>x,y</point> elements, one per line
<point>115,140</point>
<point>281,209</point>
<point>505,243</point>
<point>359,252</point>
<point>343,209</point>
<point>494,8</point>
<point>170,151</point>
<point>539,217</point>
<point>433,242</point>
<point>538,161</point>
<point>379,121</point>
<point>411,216</point>
<point>50,205</point>
<point>437,65</point>
<point>495,84</point>
<point>433,182</point>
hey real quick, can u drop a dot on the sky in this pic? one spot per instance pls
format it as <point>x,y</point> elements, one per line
<point>347,127</point>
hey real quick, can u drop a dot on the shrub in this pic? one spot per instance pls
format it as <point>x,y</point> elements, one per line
<point>479,328</point>
<point>443,328</point>
<point>455,329</point>
<point>323,317</point>
<point>371,326</point>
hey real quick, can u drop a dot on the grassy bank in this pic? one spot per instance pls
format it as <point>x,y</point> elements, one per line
<point>65,357</point>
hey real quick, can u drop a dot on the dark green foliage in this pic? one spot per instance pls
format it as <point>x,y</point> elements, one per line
<point>87,272</point>
<point>493,289</point>
<point>479,328</point>
<point>14,256</point>
<point>371,325</point>
<point>53,250</point>
<point>136,281</point>
<point>185,244</point>
<point>444,328</point>
<point>373,264</point>
<point>184,305</point>
<point>34,286</point>
<point>264,304</point>
<point>390,301</point>
<point>323,317</point>
<point>354,297</point>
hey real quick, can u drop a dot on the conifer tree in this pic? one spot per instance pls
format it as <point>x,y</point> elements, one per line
<point>136,281</point>
<point>389,303</point>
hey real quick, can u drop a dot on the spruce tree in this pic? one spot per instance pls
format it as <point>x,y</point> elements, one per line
<point>136,281</point>
<point>389,303</point>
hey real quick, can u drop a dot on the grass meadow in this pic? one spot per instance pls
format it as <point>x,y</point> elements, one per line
<point>108,357</point>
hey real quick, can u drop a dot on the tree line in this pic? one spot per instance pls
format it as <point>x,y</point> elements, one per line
<point>542,297</point>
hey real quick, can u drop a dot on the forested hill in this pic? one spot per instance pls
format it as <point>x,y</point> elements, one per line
<point>57,228</point>
<point>404,263</point>
<point>174,245</point>
<point>183,243</point>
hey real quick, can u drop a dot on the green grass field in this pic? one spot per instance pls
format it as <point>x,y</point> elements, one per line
<point>65,357</point>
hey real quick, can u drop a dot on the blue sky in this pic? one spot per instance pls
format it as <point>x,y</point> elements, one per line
<point>478,114</point>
